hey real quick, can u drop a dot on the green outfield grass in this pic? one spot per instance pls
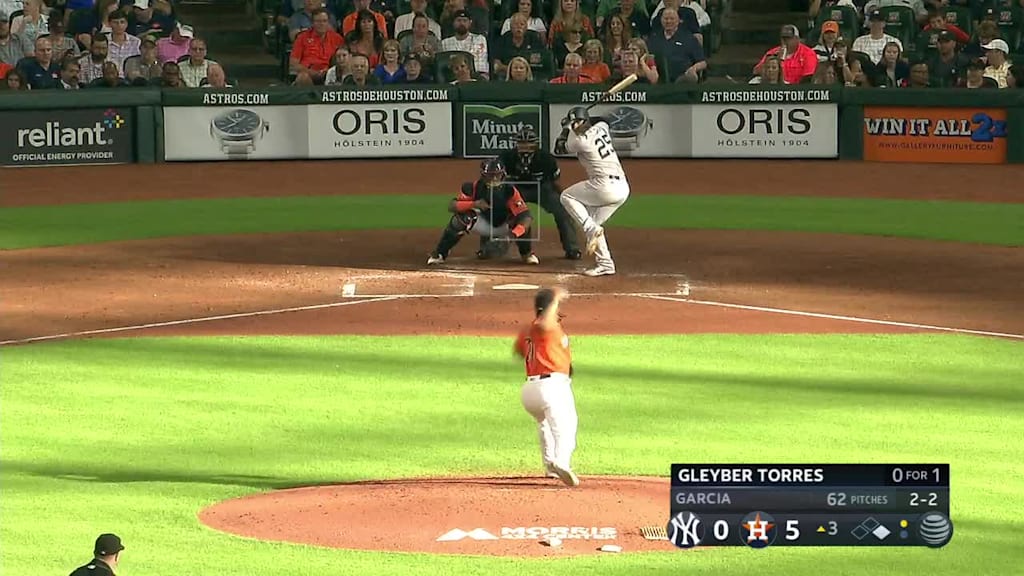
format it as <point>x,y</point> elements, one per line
<point>135,436</point>
<point>86,223</point>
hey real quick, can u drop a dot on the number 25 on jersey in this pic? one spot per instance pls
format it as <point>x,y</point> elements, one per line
<point>604,145</point>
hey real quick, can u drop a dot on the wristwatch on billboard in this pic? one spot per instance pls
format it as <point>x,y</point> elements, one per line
<point>628,125</point>
<point>237,131</point>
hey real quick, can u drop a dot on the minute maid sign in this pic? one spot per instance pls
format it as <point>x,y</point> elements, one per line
<point>489,130</point>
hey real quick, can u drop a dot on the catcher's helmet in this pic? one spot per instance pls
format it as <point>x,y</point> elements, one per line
<point>492,171</point>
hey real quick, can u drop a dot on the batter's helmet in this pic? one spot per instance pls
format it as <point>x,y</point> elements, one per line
<point>577,114</point>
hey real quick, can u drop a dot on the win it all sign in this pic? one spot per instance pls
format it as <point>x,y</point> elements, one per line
<point>946,135</point>
<point>490,130</point>
<point>66,137</point>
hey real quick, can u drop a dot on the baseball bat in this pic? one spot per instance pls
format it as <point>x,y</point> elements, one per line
<point>619,87</point>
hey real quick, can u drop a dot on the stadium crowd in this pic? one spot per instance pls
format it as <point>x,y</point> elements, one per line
<point>560,41</point>
<point>901,43</point>
<point>883,43</point>
<point>108,43</point>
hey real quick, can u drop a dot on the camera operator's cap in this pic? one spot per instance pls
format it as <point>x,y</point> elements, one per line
<point>789,31</point>
<point>876,16</point>
<point>997,44</point>
<point>462,14</point>
<point>830,26</point>
<point>946,36</point>
<point>108,545</point>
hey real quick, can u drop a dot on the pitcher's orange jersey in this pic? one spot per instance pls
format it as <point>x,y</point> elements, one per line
<point>545,351</point>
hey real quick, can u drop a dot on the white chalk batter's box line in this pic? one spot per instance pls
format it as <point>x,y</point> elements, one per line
<point>393,297</point>
<point>675,297</point>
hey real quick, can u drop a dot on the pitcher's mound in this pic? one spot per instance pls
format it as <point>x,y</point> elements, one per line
<point>479,516</point>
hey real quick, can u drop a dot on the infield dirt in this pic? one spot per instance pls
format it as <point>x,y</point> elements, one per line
<point>191,281</point>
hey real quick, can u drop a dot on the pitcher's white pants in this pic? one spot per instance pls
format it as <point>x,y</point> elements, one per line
<point>591,203</point>
<point>551,403</point>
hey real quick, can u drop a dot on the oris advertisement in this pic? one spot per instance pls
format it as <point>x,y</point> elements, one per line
<point>766,131</point>
<point>637,130</point>
<point>274,132</point>
<point>67,137</point>
<point>380,130</point>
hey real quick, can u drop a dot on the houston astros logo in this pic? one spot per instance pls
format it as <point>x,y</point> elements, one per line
<point>757,530</point>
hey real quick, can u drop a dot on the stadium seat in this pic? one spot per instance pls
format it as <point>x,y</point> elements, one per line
<point>1008,18</point>
<point>845,16</point>
<point>901,23</point>
<point>546,69</point>
<point>960,16</point>
<point>441,61</point>
<point>927,44</point>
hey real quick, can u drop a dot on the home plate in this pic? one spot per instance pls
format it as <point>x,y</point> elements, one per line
<point>515,287</point>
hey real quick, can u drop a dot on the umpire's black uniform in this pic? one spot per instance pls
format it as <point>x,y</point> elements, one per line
<point>95,568</point>
<point>107,546</point>
<point>541,167</point>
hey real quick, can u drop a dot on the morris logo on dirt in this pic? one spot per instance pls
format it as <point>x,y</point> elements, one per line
<point>532,533</point>
<point>457,534</point>
<point>488,130</point>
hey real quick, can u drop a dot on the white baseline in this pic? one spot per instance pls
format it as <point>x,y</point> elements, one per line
<point>364,300</point>
<point>834,317</point>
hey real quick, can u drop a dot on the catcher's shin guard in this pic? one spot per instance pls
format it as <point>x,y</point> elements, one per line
<point>458,226</point>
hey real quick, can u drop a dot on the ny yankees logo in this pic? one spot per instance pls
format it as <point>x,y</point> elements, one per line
<point>758,530</point>
<point>685,530</point>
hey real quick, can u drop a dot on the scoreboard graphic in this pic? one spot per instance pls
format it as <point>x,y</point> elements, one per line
<point>763,505</point>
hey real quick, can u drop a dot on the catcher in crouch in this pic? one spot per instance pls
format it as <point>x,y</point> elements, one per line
<point>508,220</point>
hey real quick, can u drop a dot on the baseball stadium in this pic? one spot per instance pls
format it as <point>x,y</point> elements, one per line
<point>265,308</point>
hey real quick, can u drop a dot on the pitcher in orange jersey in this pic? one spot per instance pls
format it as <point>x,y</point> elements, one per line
<point>547,392</point>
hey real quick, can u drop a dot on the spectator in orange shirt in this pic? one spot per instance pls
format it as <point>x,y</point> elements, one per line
<point>4,69</point>
<point>593,61</point>
<point>572,72</point>
<point>348,25</point>
<point>367,38</point>
<point>313,48</point>
<point>799,60</point>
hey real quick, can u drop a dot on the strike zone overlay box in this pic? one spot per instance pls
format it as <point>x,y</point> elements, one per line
<point>535,210</point>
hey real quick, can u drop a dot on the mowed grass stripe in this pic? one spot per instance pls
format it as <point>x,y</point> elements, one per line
<point>35,226</point>
<point>135,436</point>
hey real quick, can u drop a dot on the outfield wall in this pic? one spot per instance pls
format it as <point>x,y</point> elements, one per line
<point>135,125</point>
